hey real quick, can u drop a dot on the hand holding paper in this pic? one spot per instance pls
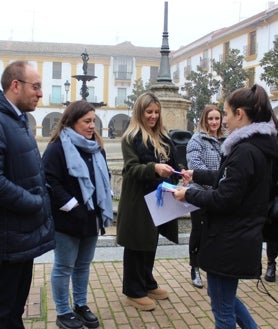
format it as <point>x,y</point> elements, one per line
<point>179,193</point>
<point>171,208</point>
<point>163,187</point>
<point>167,187</point>
<point>162,205</point>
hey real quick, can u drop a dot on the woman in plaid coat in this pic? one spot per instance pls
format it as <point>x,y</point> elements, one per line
<point>203,152</point>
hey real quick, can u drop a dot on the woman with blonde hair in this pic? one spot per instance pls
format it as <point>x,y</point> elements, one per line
<point>148,155</point>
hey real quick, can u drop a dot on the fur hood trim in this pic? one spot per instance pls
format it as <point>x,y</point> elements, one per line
<point>263,128</point>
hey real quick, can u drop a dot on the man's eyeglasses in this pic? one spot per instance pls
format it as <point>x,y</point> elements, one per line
<point>36,86</point>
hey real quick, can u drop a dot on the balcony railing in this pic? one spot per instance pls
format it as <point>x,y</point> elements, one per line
<point>122,75</point>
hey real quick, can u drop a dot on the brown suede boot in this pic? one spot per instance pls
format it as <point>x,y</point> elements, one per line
<point>158,294</point>
<point>142,303</point>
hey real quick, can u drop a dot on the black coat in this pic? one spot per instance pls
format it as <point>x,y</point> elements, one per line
<point>270,230</point>
<point>79,222</point>
<point>135,227</point>
<point>26,224</point>
<point>237,206</point>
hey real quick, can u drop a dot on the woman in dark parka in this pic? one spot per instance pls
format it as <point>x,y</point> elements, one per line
<point>237,205</point>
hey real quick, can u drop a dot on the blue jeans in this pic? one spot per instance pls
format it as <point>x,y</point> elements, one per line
<point>227,309</point>
<point>72,260</point>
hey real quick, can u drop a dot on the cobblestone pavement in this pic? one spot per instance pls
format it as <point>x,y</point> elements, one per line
<point>188,307</point>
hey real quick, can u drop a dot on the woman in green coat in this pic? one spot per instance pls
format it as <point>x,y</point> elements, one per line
<point>148,155</point>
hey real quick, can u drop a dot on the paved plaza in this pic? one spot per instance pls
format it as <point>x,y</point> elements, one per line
<point>188,307</point>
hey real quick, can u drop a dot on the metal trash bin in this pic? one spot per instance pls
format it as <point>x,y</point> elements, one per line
<point>180,139</point>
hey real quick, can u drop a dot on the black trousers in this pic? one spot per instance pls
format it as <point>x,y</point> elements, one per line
<point>137,273</point>
<point>195,237</point>
<point>271,251</point>
<point>15,282</point>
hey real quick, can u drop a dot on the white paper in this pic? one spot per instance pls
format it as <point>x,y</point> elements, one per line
<point>170,209</point>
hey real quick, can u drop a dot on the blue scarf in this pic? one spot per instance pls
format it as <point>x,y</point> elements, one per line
<point>78,168</point>
<point>161,188</point>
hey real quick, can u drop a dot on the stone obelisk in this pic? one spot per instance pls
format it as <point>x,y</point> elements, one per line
<point>174,106</point>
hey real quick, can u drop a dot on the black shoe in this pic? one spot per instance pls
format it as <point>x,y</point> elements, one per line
<point>68,321</point>
<point>196,277</point>
<point>270,274</point>
<point>84,314</point>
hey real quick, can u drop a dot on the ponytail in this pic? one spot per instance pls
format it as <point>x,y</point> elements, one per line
<point>255,102</point>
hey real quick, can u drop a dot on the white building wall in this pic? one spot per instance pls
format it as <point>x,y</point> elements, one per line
<point>66,75</point>
<point>181,82</point>
<point>112,89</point>
<point>145,74</point>
<point>46,82</point>
<point>98,82</point>
<point>216,52</point>
<point>265,34</point>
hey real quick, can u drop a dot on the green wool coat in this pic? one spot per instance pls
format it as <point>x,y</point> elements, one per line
<point>135,227</point>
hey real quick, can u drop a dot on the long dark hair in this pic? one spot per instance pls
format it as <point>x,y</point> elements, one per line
<point>72,113</point>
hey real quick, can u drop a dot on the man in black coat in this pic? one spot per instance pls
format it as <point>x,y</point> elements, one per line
<point>26,224</point>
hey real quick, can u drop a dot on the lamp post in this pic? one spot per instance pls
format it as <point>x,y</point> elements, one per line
<point>67,87</point>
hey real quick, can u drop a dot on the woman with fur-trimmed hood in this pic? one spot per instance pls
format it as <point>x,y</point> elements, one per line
<point>237,205</point>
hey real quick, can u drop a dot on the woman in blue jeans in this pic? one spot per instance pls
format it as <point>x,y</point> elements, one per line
<point>80,193</point>
<point>236,206</point>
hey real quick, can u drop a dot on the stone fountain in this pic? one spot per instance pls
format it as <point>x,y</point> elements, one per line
<point>84,91</point>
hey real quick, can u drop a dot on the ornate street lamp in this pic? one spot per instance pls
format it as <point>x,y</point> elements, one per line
<point>67,87</point>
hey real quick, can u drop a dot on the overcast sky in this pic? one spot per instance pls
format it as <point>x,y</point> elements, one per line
<point>108,22</point>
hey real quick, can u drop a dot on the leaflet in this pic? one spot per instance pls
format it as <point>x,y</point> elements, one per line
<point>169,210</point>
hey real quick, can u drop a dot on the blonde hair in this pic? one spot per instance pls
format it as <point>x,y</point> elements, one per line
<point>156,135</point>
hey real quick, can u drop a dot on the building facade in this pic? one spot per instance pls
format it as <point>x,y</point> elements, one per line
<point>253,37</point>
<point>113,70</point>
<point>111,73</point>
